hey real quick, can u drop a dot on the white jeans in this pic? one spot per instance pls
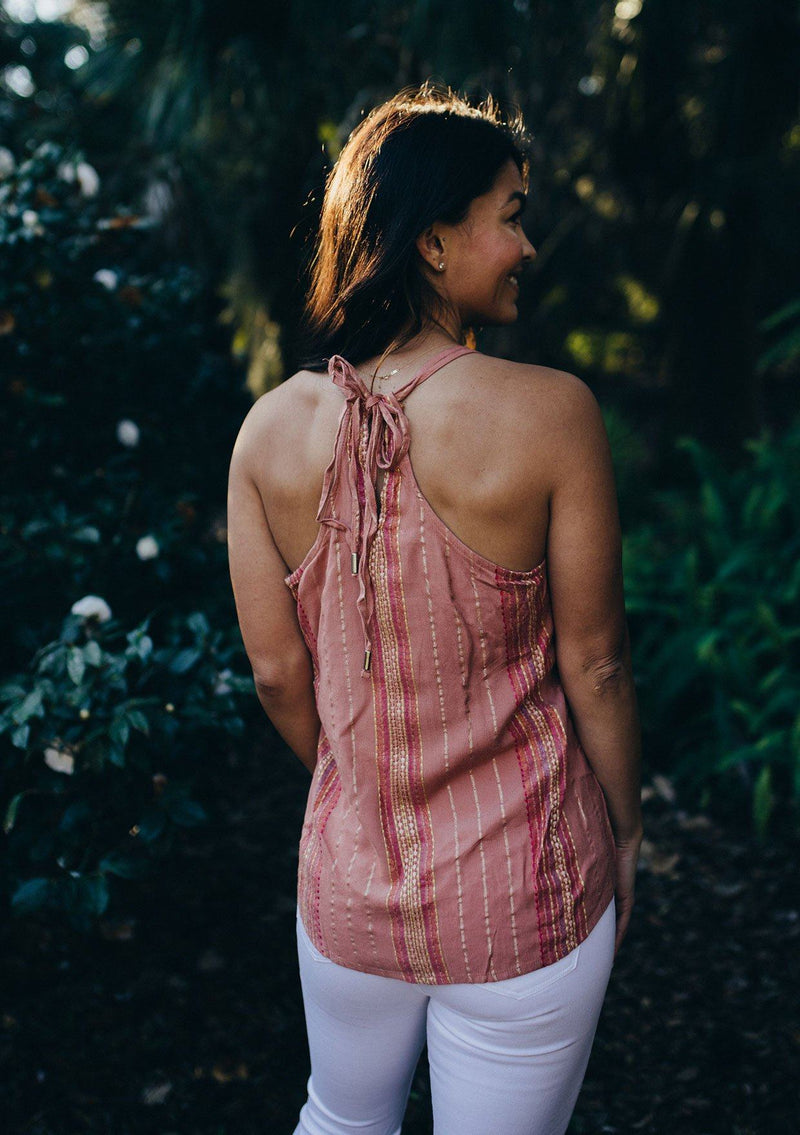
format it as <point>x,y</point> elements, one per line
<point>505,1057</point>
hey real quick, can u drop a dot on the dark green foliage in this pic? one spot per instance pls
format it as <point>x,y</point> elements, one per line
<point>713,591</point>
<point>121,403</point>
<point>785,324</point>
<point>120,406</point>
<point>99,744</point>
<point>664,177</point>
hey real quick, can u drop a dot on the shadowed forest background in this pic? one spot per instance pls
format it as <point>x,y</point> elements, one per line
<point>161,170</point>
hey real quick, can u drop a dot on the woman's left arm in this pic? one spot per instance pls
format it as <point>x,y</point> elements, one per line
<point>267,615</point>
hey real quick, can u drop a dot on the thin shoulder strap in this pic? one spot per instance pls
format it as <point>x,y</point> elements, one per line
<point>432,365</point>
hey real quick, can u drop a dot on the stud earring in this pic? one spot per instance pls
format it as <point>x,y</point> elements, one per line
<point>441,265</point>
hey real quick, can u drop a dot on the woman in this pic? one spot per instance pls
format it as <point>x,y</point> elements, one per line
<point>443,644</point>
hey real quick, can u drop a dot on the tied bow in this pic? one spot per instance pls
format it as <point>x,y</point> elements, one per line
<point>373,435</point>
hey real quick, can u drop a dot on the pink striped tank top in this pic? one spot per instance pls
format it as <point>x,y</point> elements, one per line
<point>454,830</point>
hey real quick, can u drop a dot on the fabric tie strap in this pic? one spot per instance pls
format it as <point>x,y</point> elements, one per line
<point>373,436</point>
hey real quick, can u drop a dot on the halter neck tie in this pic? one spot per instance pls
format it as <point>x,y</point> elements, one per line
<point>373,435</point>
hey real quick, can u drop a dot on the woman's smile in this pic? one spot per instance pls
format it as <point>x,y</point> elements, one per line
<point>485,255</point>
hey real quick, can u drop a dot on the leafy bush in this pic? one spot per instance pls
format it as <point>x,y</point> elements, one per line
<point>98,750</point>
<point>121,401</point>
<point>713,588</point>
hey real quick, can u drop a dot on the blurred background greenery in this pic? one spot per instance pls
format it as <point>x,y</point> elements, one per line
<point>161,168</point>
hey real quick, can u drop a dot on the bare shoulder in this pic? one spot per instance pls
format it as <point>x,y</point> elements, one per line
<point>276,420</point>
<point>555,399</point>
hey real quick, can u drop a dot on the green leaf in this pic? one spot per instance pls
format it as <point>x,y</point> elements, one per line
<point>88,534</point>
<point>151,824</point>
<point>782,315</point>
<point>11,811</point>
<point>31,706</point>
<point>120,730</point>
<point>92,654</point>
<point>91,894</point>
<point>116,755</point>
<point>185,812</point>
<point>713,506</point>
<point>75,815</point>
<point>76,665</point>
<point>134,636</point>
<point>787,697</point>
<point>20,736</point>
<point>198,623</point>
<point>32,895</point>
<point>144,647</point>
<point>734,563</point>
<point>184,660</point>
<point>734,756</point>
<point>706,646</point>
<point>138,720</point>
<point>11,691</point>
<point>125,866</point>
<point>763,801</point>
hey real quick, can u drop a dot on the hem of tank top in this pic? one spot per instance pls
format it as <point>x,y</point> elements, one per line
<point>599,910</point>
<point>511,574</point>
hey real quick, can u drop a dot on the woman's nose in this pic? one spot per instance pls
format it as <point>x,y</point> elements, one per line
<point>528,251</point>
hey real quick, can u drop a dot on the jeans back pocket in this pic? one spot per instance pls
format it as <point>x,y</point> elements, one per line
<point>526,984</point>
<point>310,948</point>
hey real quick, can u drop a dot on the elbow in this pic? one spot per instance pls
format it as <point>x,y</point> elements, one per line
<point>612,669</point>
<point>601,669</point>
<point>607,674</point>
<point>276,678</point>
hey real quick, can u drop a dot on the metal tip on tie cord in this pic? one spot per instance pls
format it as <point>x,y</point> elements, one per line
<point>354,563</point>
<point>367,658</point>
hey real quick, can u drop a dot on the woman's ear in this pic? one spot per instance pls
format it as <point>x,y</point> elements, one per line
<point>430,246</point>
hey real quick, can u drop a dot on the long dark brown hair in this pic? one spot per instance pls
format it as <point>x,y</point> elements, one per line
<point>421,157</point>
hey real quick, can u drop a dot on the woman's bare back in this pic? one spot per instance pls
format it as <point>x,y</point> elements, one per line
<point>484,440</point>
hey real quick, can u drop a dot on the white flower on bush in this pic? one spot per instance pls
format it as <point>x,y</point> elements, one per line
<point>221,683</point>
<point>86,176</point>
<point>107,278</point>
<point>88,179</point>
<point>31,225</point>
<point>147,548</point>
<point>7,163</point>
<point>127,433</point>
<point>92,607</point>
<point>59,760</point>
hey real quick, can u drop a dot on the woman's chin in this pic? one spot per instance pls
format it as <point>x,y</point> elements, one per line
<point>510,315</point>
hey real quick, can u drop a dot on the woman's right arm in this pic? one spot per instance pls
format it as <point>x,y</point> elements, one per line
<point>592,645</point>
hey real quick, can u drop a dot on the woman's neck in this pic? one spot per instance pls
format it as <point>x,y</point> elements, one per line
<point>411,354</point>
